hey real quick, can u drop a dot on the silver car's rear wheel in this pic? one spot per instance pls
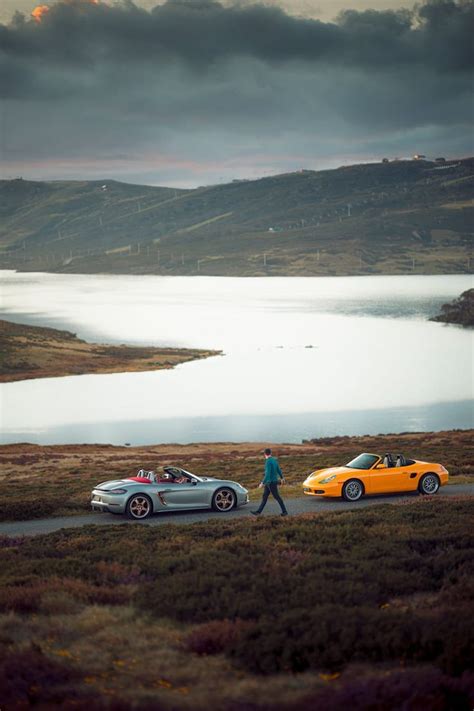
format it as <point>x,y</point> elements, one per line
<point>139,507</point>
<point>429,484</point>
<point>352,490</point>
<point>224,500</point>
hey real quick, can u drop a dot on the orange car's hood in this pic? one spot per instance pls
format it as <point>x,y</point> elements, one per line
<point>323,473</point>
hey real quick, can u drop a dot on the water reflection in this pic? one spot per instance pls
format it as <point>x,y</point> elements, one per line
<point>294,352</point>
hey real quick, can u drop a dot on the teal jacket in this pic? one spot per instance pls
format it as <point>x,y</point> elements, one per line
<point>272,471</point>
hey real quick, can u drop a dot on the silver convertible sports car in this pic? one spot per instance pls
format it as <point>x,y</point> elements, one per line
<point>174,489</point>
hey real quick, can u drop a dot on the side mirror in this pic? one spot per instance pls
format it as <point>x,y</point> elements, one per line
<point>194,482</point>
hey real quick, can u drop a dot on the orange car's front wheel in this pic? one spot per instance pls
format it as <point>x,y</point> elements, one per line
<point>429,484</point>
<point>352,490</point>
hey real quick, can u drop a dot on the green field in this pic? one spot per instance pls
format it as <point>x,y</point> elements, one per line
<point>363,610</point>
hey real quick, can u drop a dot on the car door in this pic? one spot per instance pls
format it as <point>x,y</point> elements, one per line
<point>385,480</point>
<point>183,496</point>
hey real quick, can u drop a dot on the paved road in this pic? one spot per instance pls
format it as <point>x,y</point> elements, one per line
<point>304,504</point>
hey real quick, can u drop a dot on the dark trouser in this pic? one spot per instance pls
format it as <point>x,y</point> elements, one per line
<point>272,489</point>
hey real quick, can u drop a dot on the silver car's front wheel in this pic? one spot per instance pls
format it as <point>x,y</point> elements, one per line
<point>139,507</point>
<point>352,490</point>
<point>429,484</point>
<point>224,500</point>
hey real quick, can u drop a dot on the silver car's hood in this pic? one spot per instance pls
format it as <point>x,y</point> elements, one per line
<point>221,481</point>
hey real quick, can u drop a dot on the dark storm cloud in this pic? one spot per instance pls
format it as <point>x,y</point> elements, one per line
<point>200,32</point>
<point>205,81</point>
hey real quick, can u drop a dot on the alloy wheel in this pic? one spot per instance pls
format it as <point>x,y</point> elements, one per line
<point>224,500</point>
<point>430,484</point>
<point>353,490</point>
<point>139,507</point>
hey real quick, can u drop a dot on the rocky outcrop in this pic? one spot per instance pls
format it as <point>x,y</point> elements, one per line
<point>459,311</point>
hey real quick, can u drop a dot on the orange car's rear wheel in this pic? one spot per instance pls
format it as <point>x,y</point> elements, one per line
<point>429,484</point>
<point>352,490</point>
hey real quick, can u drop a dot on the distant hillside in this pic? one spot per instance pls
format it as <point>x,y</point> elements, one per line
<point>384,218</point>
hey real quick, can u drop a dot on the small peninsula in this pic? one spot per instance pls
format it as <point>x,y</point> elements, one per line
<point>28,352</point>
<point>460,311</point>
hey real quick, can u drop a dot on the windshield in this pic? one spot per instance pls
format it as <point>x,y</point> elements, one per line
<point>192,476</point>
<point>363,461</point>
<point>178,472</point>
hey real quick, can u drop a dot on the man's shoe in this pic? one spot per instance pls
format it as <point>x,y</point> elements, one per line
<point>255,513</point>
<point>285,513</point>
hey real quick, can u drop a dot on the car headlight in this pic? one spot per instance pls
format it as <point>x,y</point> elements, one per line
<point>327,479</point>
<point>117,491</point>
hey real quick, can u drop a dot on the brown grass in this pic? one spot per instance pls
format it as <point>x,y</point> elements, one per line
<point>33,352</point>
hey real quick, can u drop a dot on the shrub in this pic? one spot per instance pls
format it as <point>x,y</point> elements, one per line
<point>37,594</point>
<point>326,636</point>
<point>333,636</point>
<point>29,676</point>
<point>423,689</point>
<point>215,637</point>
<point>25,508</point>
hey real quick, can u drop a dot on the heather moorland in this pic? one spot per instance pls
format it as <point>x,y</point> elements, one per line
<point>369,608</point>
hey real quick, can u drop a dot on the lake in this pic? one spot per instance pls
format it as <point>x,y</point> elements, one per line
<point>303,357</point>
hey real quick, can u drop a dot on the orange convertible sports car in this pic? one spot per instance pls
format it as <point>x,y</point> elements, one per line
<point>375,474</point>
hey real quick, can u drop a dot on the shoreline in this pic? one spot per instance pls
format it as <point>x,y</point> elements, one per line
<point>32,352</point>
<point>257,274</point>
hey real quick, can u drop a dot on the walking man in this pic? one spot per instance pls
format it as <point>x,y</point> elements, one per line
<point>270,483</point>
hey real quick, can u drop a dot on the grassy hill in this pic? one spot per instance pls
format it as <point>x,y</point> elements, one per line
<point>383,218</point>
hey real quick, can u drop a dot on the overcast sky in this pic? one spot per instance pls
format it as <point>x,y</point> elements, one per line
<point>192,92</point>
